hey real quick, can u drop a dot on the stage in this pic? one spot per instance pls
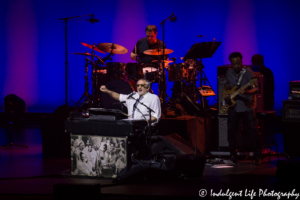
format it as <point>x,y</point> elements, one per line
<point>26,174</point>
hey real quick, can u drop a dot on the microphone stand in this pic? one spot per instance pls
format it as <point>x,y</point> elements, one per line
<point>163,68</point>
<point>196,110</point>
<point>149,126</point>
<point>164,107</point>
<point>66,53</point>
<point>86,94</point>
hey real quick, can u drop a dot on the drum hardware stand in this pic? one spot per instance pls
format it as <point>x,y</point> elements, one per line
<point>109,56</point>
<point>172,18</point>
<point>86,94</point>
<point>95,81</point>
<point>97,100</point>
<point>66,52</point>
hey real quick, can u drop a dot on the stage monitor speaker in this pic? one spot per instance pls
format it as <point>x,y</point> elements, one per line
<point>170,145</point>
<point>173,157</point>
<point>190,165</point>
<point>287,175</point>
<point>291,138</point>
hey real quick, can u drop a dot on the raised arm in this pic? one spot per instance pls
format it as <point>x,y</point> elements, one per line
<point>114,95</point>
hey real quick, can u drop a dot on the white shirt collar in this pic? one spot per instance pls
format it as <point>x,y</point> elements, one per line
<point>145,95</point>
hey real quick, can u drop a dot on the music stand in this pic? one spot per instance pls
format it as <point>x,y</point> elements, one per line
<point>202,50</point>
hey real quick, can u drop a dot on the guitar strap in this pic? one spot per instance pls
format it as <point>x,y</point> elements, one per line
<point>242,72</point>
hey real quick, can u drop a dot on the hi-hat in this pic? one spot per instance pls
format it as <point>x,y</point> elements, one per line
<point>157,52</point>
<point>86,54</point>
<point>93,47</point>
<point>111,47</point>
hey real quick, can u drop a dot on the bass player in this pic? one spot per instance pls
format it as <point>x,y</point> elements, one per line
<point>245,106</point>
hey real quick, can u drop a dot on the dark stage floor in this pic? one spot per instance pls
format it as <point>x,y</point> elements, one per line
<point>27,174</point>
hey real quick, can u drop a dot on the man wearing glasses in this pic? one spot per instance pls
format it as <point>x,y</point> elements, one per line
<point>134,101</point>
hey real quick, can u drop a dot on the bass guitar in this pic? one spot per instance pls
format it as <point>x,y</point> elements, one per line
<point>230,102</point>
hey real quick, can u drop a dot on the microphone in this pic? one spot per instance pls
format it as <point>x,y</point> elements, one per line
<point>131,94</point>
<point>92,20</point>
<point>173,18</point>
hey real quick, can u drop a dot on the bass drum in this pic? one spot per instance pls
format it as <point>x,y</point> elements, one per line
<point>118,86</point>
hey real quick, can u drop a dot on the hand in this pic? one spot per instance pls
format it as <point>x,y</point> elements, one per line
<point>226,97</point>
<point>243,91</point>
<point>133,56</point>
<point>103,89</point>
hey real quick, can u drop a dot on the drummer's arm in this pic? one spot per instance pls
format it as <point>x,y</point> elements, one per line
<point>133,56</point>
<point>113,94</point>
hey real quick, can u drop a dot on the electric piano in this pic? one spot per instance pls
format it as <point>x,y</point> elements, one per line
<point>106,122</point>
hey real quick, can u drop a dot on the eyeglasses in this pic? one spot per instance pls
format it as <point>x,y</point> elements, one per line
<point>142,85</point>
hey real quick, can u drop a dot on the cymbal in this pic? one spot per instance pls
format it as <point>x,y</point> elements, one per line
<point>157,52</point>
<point>107,47</point>
<point>92,47</point>
<point>86,54</point>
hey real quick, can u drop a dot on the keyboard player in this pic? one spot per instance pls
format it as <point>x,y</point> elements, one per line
<point>133,101</point>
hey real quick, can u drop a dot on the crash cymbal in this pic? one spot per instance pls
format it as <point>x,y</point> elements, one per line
<point>157,52</point>
<point>115,48</point>
<point>92,47</point>
<point>86,54</point>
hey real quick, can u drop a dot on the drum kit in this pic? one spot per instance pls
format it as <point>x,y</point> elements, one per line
<point>184,75</point>
<point>122,77</point>
<point>118,77</point>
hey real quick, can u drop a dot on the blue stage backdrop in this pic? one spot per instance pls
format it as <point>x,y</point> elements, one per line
<point>32,51</point>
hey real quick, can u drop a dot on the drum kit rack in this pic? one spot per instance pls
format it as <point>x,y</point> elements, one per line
<point>125,75</point>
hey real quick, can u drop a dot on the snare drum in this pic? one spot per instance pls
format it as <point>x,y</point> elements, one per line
<point>150,72</point>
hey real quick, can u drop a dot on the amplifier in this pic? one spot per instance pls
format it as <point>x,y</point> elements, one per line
<point>295,90</point>
<point>243,138</point>
<point>291,111</point>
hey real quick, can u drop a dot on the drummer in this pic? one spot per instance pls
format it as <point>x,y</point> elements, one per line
<point>149,42</point>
